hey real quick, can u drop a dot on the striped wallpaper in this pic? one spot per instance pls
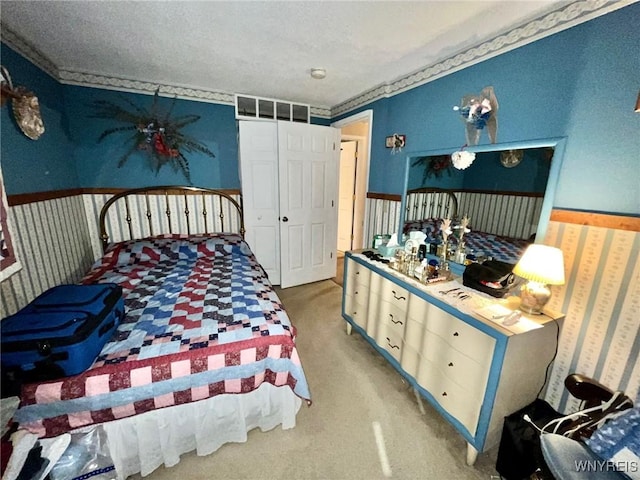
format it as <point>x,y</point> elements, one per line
<point>183,218</point>
<point>382,217</point>
<point>600,335</point>
<point>52,241</point>
<point>513,215</point>
<point>57,241</point>
<point>488,213</point>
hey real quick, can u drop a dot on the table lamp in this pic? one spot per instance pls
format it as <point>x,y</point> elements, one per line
<point>542,266</point>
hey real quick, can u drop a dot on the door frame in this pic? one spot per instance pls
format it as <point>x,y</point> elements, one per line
<point>362,179</point>
<point>358,144</point>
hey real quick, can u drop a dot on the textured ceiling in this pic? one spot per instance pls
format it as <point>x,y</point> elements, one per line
<point>262,48</point>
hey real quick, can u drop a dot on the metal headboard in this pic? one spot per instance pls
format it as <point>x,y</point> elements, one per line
<point>148,211</point>
<point>429,202</point>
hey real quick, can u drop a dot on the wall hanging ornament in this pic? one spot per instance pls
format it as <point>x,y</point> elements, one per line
<point>25,106</point>
<point>462,159</point>
<point>154,133</point>
<point>511,158</point>
<point>478,112</point>
<point>395,142</point>
<point>434,166</point>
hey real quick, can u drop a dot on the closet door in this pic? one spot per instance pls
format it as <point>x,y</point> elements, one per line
<point>258,149</point>
<point>308,165</point>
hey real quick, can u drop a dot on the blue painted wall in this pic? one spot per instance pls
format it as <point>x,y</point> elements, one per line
<point>68,154</point>
<point>581,83</point>
<point>488,174</point>
<point>96,163</point>
<point>43,164</point>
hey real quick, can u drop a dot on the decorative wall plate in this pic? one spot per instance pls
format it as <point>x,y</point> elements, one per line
<point>26,111</point>
<point>511,158</point>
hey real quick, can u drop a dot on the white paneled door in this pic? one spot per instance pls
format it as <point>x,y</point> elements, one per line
<point>258,146</point>
<point>308,173</point>
<point>289,176</point>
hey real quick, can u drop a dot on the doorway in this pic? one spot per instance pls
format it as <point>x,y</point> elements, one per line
<point>347,193</point>
<point>356,131</point>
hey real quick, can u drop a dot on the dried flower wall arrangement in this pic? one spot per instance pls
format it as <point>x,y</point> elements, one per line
<point>152,132</point>
<point>434,166</point>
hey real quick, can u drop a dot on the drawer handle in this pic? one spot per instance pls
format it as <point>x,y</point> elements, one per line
<point>396,297</point>
<point>444,394</point>
<point>455,334</point>
<point>395,321</point>
<point>451,364</point>
<point>392,346</point>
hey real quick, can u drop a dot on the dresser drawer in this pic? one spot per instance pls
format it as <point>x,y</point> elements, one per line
<point>461,369</point>
<point>460,335</point>
<point>356,309</point>
<point>389,318</point>
<point>392,343</point>
<point>414,334</point>
<point>357,285</point>
<point>358,274</point>
<point>458,402</point>
<point>391,292</point>
<point>418,309</point>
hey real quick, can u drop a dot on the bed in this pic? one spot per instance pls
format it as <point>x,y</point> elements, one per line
<point>206,351</point>
<point>501,226</point>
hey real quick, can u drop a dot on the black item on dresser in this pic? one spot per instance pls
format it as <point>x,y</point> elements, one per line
<point>493,277</point>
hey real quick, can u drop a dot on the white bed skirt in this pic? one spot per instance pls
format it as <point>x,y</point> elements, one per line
<point>142,443</point>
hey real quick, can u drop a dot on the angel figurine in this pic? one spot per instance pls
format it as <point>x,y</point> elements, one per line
<point>445,228</point>
<point>461,253</point>
<point>463,227</point>
<point>478,112</point>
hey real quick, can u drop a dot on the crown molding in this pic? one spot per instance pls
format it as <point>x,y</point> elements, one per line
<point>566,17</point>
<point>93,80</point>
<point>546,25</point>
<point>84,79</point>
<point>24,48</point>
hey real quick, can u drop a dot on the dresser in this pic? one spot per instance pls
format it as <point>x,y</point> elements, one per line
<point>473,371</point>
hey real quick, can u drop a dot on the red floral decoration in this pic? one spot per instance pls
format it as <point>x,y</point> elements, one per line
<point>156,134</point>
<point>434,166</point>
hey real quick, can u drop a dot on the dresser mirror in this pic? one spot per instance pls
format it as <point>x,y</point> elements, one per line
<point>507,193</point>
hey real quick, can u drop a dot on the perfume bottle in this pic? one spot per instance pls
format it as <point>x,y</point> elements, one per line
<point>460,254</point>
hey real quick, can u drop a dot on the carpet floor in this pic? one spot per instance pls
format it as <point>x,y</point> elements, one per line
<point>355,393</point>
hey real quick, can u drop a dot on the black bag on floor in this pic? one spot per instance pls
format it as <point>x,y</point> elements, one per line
<point>519,455</point>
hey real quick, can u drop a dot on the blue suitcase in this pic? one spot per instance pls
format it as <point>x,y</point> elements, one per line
<point>62,331</point>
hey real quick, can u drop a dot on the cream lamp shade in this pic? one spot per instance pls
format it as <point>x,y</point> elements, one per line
<point>542,265</point>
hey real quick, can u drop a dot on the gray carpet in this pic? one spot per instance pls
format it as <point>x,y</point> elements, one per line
<point>352,387</point>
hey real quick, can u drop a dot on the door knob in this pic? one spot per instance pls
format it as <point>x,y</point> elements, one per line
<point>285,219</point>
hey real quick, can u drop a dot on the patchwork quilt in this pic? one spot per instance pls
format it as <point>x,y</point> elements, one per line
<point>202,319</point>
<point>498,247</point>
